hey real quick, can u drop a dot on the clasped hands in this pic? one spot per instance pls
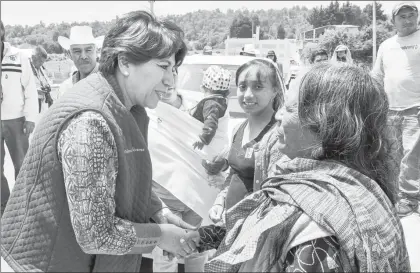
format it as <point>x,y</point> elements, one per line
<point>178,238</point>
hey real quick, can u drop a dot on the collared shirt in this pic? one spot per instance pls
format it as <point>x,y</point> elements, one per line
<point>68,84</point>
<point>20,98</point>
<point>76,75</point>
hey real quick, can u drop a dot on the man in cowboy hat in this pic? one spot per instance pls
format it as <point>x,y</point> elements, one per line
<point>398,65</point>
<point>83,52</point>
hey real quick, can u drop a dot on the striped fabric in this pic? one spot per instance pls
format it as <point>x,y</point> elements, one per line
<point>343,201</point>
<point>6,67</point>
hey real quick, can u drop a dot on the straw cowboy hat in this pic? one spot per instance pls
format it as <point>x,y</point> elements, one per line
<point>80,35</point>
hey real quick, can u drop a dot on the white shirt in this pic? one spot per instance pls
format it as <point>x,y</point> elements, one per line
<point>20,97</point>
<point>398,64</point>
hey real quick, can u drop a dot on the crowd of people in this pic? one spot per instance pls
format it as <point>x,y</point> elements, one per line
<point>318,175</point>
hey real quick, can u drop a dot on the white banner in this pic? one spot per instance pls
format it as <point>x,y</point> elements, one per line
<point>176,165</point>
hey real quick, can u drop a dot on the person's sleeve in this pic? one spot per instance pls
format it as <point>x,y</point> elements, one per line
<point>210,237</point>
<point>221,196</point>
<point>319,255</point>
<point>30,107</point>
<point>88,152</point>
<point>212,111</point>
<point>378,68</point>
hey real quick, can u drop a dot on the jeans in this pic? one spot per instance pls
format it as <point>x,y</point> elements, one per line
<point>17,143</point>
<point>409,178</point>
<point>194,262</point>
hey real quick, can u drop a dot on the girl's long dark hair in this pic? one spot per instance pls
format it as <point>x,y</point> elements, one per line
<point>267,70</point>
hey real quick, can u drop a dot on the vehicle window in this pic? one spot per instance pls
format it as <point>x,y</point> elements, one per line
<point>190,77</point>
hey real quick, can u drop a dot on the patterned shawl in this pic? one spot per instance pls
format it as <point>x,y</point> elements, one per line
<point>343,201</point>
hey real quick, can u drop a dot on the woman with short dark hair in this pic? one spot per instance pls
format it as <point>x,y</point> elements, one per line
<point>83,198</point>
<point>329,205</point>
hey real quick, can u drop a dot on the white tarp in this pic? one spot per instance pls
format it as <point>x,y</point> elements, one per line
<point>176,165</point>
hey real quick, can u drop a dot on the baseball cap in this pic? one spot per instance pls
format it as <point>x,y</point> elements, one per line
<point>405,4</point>
<point>217,78</point>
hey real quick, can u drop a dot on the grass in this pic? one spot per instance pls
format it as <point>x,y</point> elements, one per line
<point>58,70</point>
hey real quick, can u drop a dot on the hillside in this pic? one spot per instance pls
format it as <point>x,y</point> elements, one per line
<point>204,27</point>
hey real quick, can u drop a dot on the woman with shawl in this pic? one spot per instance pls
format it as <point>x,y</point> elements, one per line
<point>328,205</point>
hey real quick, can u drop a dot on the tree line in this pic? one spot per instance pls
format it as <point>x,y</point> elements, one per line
<point>204,27</point>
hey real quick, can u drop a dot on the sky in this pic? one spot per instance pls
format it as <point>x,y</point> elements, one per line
<point>32,12</point>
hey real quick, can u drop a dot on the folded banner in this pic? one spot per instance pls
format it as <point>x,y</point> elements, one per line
<point>176,165</point>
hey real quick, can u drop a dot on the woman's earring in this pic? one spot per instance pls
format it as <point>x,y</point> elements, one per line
<point>126,73</point>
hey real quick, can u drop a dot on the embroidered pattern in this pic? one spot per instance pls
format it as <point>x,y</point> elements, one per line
<point>88,153</point>
<point>319,255</point>
<point>210,237</point>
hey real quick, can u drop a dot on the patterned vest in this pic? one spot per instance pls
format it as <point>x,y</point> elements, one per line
<point>36,231</point>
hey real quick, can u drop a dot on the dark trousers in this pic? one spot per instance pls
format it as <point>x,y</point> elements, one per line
<point>147,266</point>
<point>17,143</point>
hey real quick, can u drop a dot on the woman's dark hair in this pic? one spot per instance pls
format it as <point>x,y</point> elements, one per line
<point>347,109</point>
<point>140,37</point>
<point>267,70</point>
<point>317,52</point>
<point>272,53</point>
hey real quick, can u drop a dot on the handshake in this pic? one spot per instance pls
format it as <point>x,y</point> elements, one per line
<point>178,242</point>
<point>178,238</point>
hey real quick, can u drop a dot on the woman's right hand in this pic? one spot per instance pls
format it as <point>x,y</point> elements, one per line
<point>215,213</point>
<point>215,166</point>
<point>180,242</point>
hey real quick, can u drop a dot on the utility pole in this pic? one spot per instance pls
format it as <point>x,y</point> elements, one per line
<point>252,25</point>
<point>152,3</point>
<point>374,33</point>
